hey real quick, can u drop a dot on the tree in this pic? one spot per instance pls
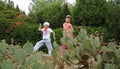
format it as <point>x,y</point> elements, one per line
<point>7,16</point>
<point>89,12</point>
<point>53,12</point>
<point>113,21</point>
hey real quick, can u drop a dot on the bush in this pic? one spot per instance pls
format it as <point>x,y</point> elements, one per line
<point>29,32</point>
<point>26,32</point>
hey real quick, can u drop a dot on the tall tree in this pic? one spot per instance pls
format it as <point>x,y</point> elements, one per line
<point>53,12</point>
<point>7,16</point>
<point>89,12</point>
<point>113,20</point>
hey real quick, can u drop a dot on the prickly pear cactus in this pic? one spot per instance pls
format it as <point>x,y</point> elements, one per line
<point>3,47</point>
<point>78,54</point>
<point>33,59</point>
<point>109,66</point>
<point>48,65</point>
<point>37,66</point>
<point>28,47</point>
<point>7,64</point>
<point>20,56</point>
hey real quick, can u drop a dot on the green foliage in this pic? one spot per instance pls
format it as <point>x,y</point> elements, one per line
<point>7,16</point>
<point>7,64</point>
<point>83,13</point>
<point>105,14</point>
<point>56,12</point>
<point>28,47</point>
<point>109,66</point>
<point>78,52</point>
<point>88,46</point>
<point>37,66</point>
<point>26,32</point>
<point>48,65</point>
<point>112,21</point>
<point>20,56</point>
<point>3,47</point>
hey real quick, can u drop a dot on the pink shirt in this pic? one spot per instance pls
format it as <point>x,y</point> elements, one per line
<point>67,27</point>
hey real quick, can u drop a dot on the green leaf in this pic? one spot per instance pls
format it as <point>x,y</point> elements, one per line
<point>108,56</point>
<point>37,66</point>
<point>20,56</point>
<point>86,45</point>
<point>97,66</point>
<point>117,52</point>
<point>109,66</point>
<point>99,59</point>
<point>55,45</point>
<point>116,60</point>
<point>21,67</point>
<point>3,47</point>
<point>111,45</point>
<point>117,67</point>
<point>48,65</point>
<point>33,58</point>
<point>7,64</point>
<point>28,47</point>
<point>105,49</point>
<point>66,55</point>
<point>55,54</point>
<point>97,42</point>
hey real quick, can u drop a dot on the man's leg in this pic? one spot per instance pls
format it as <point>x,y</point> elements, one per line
<point>49,46</point>
<point>38,45</point>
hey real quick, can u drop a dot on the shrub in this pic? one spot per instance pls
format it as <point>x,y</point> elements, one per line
<point>26,32</point>
<point>29,32</point>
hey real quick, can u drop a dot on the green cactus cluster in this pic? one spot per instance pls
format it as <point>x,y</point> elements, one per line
<point>83,52</point>
<point>82,48</point>
<point>17,57</point>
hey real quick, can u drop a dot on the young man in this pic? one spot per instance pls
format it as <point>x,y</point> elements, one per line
<point>45,38</point>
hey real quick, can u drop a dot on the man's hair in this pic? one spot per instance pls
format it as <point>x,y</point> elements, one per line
<point>46,24</point>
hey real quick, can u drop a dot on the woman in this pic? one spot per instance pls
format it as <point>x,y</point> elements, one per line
<point>68,28</point>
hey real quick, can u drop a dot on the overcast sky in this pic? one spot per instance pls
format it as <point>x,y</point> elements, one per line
<point>23,4</point>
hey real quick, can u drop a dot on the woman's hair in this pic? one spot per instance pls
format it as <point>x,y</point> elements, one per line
<point>68,16</point>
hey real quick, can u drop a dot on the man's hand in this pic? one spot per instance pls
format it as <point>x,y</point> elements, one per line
<point>40,24</point>
<point>54,38</point>
<point>54,35</point>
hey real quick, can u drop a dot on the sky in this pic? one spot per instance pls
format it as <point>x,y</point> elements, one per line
<point>24,4</point>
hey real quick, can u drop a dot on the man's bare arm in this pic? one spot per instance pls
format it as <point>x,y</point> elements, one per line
<point>54,35</point>
<point>39,26</point>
